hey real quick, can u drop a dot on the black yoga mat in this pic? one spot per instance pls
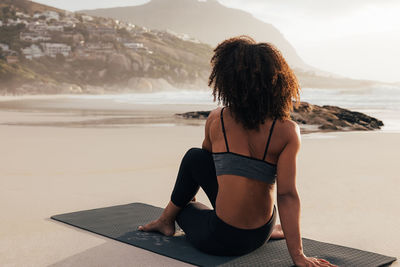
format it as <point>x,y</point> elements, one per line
<point>120,223</point>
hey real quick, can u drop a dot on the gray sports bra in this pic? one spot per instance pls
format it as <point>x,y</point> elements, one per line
<point>241,165</point>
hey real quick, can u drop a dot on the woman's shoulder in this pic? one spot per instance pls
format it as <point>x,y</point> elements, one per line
<point>288,125</point>
<point>214,114</point>
<point>289,129</point>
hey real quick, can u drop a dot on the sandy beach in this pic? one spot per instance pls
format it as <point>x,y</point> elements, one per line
<point>348,183</point>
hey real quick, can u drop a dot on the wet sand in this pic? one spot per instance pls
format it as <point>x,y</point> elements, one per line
<point>348,183</point>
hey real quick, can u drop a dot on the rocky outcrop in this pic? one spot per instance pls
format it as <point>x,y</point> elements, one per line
<point>314,118</point>
<point>333,118</point>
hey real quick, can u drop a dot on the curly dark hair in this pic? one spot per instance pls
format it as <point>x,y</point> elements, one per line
<point>253,80</point>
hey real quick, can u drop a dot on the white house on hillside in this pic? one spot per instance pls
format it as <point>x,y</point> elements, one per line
<point>12,22</point>
<point>101,30</point>
<point>32,52</point>
<point>51,15</point>
<point>37,26</point>
<point>22,15</point>
<point>4,47</point>
<point>134,45</point>
<point>56,28</point>
<point>33,37</point>
<point>52,49</point>
<point>48,15</point>
<point>87,18</point>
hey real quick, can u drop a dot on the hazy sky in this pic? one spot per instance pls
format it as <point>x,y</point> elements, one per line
<point>354,38</point>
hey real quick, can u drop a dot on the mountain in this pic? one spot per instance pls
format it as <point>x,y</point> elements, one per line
<point>44,50</point>
<point>208,21</point>
<point>48,50</point>
<point>28,7</point>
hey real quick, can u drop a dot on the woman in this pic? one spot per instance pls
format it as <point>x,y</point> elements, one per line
<point>249,144</point>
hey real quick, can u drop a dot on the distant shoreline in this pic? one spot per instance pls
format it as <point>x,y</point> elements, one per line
<point>314,118</point>
<point>107,112</point>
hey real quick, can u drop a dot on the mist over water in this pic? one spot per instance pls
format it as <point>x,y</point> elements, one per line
<point>380,102</point>
<point>387,98</point>
<point>157,98</point>
<point>373,98</point>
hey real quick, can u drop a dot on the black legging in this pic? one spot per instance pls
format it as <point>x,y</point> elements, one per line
<point>201,225</point>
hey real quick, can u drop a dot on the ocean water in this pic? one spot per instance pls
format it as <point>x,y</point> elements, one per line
<point>156,98</point>
<point>380,102</point>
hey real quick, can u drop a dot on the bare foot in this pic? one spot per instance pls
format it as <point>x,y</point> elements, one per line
<point>277,232</point>
<point>165,228</point>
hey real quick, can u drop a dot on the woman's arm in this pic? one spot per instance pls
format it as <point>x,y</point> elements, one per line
<point>207,140</point>
<point>287,196</point>
<point>289,201</point>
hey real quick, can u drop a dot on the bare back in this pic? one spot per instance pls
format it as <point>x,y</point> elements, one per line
<point>243,202</point>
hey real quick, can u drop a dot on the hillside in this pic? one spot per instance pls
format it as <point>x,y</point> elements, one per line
<point>28,7</point>
<point>45,50</point>
<point>208,21</point>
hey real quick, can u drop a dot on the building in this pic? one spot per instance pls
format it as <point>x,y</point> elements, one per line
<point>101,30</point>
<point>22,15</point>
<point>127,26</point>
<point>76,38</point>
<point>134,46</point>
<point>12,22</point>
<point>95,51</point>
<point>83,53</point>
<point>87,18</point>
<point>1,23</point>
<point>34,37</point>
<point>72,20</point>
<point>12,59</point>
<point>103,48</point>
<point>11,56</point>
<point>52,49</point>
<point>37,26</point>
<point>64,23</point>
<point>49,15</point>
<point>32,52</point>
<point>183,36</point>
<point>55,28</point>
<point>4,47</point>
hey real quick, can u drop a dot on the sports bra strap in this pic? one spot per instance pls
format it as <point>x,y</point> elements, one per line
<point>223,130</point>
<point>269,138</point>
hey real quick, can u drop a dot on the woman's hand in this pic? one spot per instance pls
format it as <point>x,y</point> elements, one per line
<point>304,261</point>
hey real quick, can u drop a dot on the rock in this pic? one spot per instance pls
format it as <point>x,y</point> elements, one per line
<point>135,66</point>
<point>102,73</point>
<point>329,126</point>
<point>326,118</point>
<point>119,63</point>
<point>195,115</point>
